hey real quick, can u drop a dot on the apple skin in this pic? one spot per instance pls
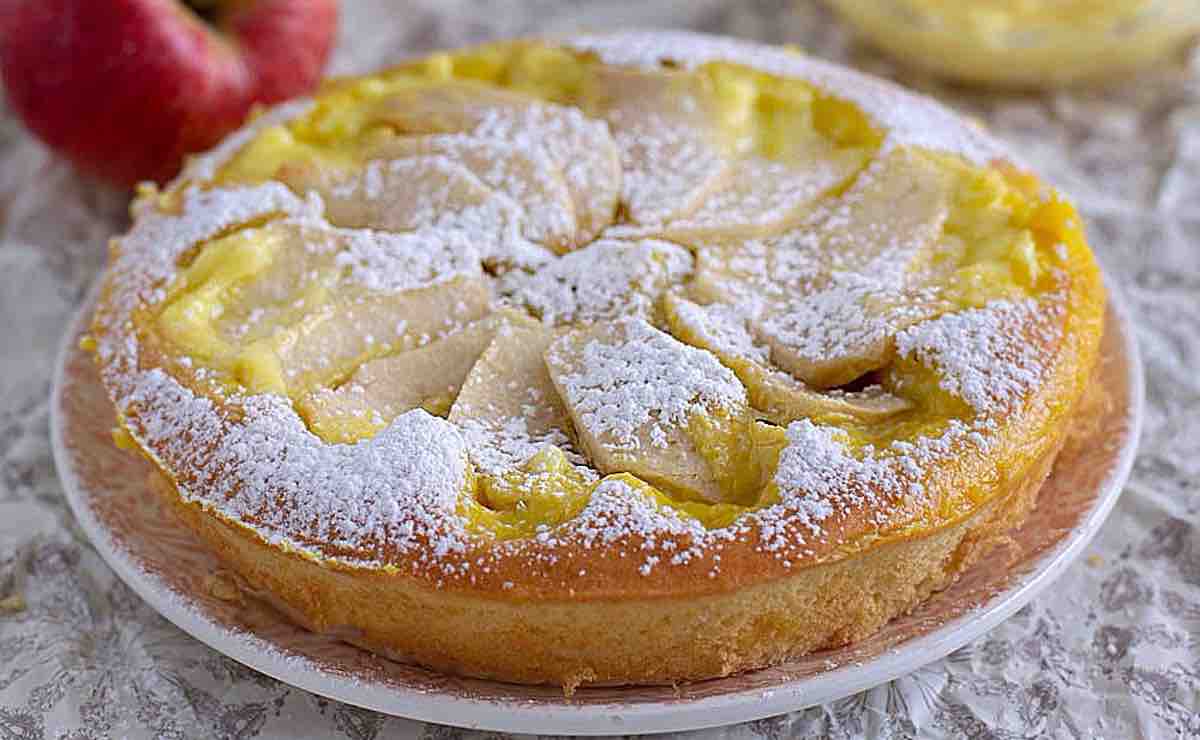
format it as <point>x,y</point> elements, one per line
<point>125,89</point>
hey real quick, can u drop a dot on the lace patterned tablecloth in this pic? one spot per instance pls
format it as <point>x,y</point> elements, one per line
<point>1112,651</point>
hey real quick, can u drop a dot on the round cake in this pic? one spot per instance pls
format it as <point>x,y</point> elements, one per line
<point>618,359</point>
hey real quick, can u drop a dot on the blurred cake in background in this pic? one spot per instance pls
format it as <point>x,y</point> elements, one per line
<point>1026,43</point>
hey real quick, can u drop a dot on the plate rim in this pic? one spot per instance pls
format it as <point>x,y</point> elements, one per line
<point>601,719</point>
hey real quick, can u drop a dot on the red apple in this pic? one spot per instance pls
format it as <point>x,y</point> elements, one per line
<point>126,88</point>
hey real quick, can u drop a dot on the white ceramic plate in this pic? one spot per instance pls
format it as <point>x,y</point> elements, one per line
<point>163,562</point>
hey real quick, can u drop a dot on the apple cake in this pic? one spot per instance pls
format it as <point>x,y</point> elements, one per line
<point>617,359</point>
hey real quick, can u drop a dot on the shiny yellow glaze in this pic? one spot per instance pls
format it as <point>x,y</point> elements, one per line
<point>999,242</point>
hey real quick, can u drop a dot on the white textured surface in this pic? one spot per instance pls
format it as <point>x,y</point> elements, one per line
<point>1106,655</point>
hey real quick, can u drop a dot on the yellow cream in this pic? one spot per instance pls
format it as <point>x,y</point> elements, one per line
<point>990,248</point>
<point>725,441</point>
<point>547,490</point>
<point>196,299</point>
<point>774,116</point>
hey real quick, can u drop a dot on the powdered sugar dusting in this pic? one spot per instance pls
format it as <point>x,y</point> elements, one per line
<point>499,448</point>
<point>582,148</point>
<point>435,192</point>
<point>764,193</point>
<point>633,383</point>
<point>396,488</point>
<point>990,357</point>
<point>722,327</point>
<point>666,165</point>
<point>388,262</point>
<point>831,323</point>
<point>150,252</point>
<point>604,280</point>
<point>818,476</point>
<point>617,512</point>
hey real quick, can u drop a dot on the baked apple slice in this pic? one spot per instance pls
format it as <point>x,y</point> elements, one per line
<point>392,195</point>
<point>604,280</point>
<point>775,395</point>
<point>643,402</point>
<point>883,227</point>
<point>582,149</point>
<point>826,297</point>
<point>430,192</point>
<point>828,338</point>
<point>525,176</point>
<point>764,196</point>
<point>320,301</point>
<point>673,154</point>
<point>427,377</point>
<point>328,344</point>
<point>239,287</point>
<point>300,278</point>
<point>289,306</point>
<point>508,408</point>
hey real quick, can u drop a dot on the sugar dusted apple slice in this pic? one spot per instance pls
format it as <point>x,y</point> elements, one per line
<point>259,282</point>
<point>827,297</point>
<point>447,106</point>
<point>882,228</point>
<point>764,197</point>
<point>883,225</point>
<point>836,334</point>
<point>330,343</point>
<point>673,155</point>
<point>302,274</point>
<point>422,191</point>
<point>751,271</point>
<point>645,403</point>
<point>526,176</point>
<point>604,280</point>
<point>839,333</point>
<point>395,292</point>
<point>782,399</point>
<point>581,148</point>
<point>777,396</point>
<point>427,377</point>
<point>200,313</point>
<point>829,338</point>
<point>401,194</point>
<point>508,408</point>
